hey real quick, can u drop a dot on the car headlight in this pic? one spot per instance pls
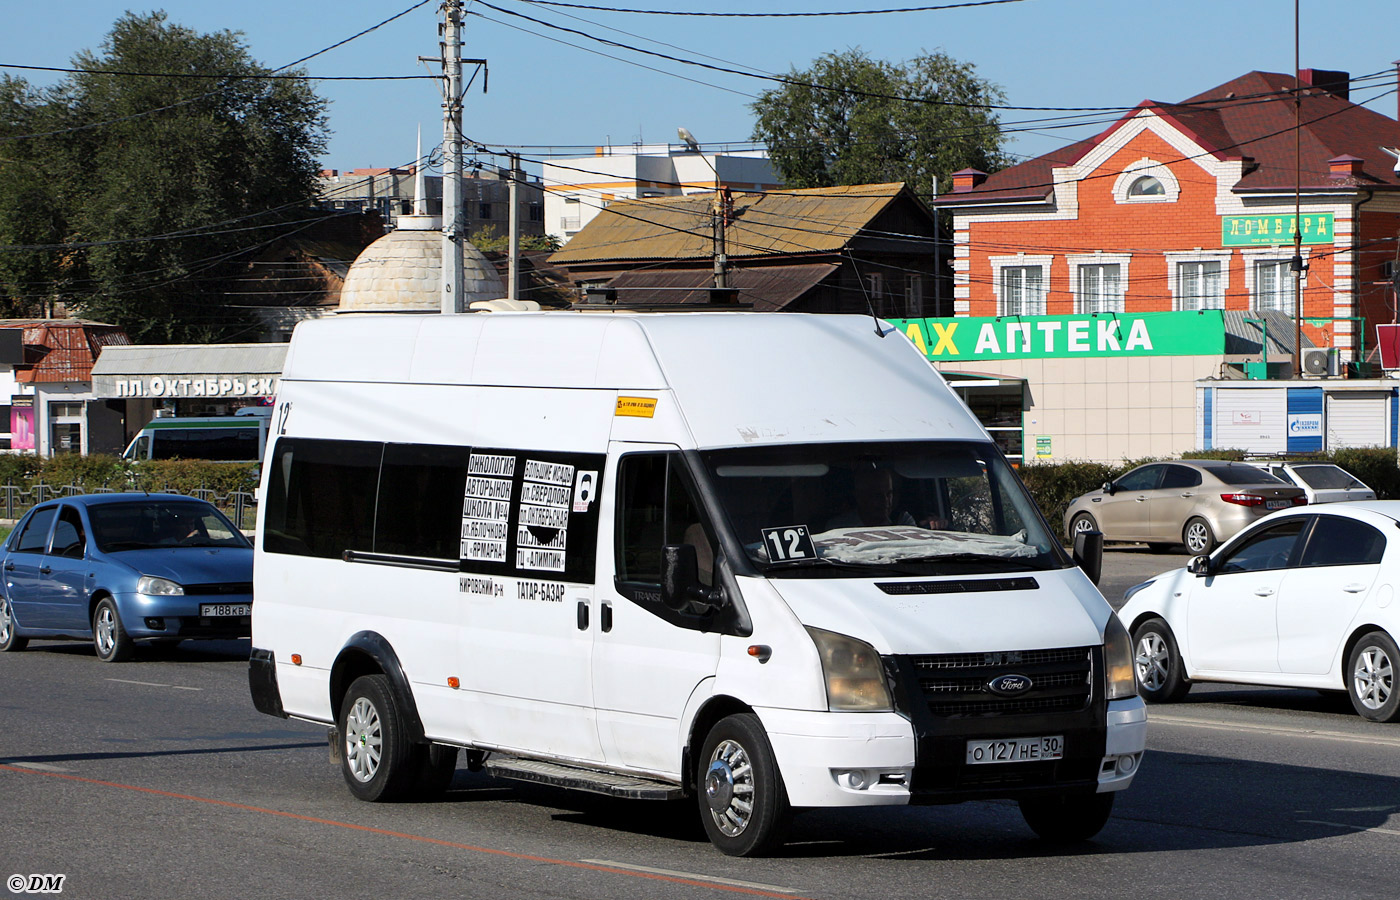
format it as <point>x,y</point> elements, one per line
<point>159,587</point>
<point>1118,660</point>
<point>1128,594</point>
<point>855,678</point>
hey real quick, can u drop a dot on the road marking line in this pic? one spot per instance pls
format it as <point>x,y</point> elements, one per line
<point>350,826</point>
<point>176,687</point>
<point>1159,718</point>
<point>1349,827</point>
<point>691,875</point>
<point>42,767</point>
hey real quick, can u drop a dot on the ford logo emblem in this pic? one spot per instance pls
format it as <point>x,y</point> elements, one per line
<point>1009,685</point>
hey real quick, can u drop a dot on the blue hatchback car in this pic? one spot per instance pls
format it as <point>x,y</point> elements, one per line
<point>118,568</point>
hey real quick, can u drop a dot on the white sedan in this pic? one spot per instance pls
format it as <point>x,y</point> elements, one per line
<point>1302,598</point>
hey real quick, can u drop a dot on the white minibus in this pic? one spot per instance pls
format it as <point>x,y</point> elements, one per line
<point>767,561</point>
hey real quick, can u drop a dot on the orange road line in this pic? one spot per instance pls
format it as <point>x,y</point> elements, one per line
<point>735,889</point>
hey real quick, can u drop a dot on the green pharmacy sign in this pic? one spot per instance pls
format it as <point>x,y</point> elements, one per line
<point>972,339</point>
<point>1250,231</point>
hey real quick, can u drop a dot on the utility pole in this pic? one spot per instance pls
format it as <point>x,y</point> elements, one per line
<point>513,277</point>
<point>452,236</point>
<point>1296,264</point>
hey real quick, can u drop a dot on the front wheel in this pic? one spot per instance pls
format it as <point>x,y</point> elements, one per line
<point>377,759</point>
<point>1080,523</point>
<point>1067,818</point>
<point>1198,537</point>
<point>1371,681</point>
<point>743,803</point>
<point>1160,676</point>
<point>109,638</point>
<point>9,631</point>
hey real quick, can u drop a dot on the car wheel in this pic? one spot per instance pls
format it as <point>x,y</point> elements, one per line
<point>1198,537</point>
<point>109,638</point>
<point>743,803</point>
<point>1067,818</point>
<point>1372,680</point>
<point>9,631</point>
<point>437,763</point>
<point>378,760</point>
<point>1080,523</point>
<point>1157,662</point>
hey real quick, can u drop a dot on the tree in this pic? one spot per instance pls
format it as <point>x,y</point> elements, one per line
<point>169,182</point>
<point>850,119</point>
<point>488,239</point>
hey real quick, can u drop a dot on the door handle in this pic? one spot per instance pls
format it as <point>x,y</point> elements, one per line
<point>605,616</point>
<point>1142,499</point>
<point>44,570</point>
<point>1263,592</point>
<point>9,567</point>
<point>1354,588</point>
<point>583,615</point>
<point>1188,494</point>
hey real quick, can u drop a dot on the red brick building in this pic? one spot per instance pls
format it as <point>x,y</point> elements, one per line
<point>1190,205</point>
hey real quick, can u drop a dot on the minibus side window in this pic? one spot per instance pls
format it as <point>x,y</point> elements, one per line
<point>420,501</point>
<point>321,496</point>
<point>655,508</point>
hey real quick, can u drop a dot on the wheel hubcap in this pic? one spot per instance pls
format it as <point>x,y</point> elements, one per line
<point>1374,678</point>
<point>4,620</point>
<point>364,740</point>
<point>1152,661</point>
<point>1196,537</point>
<point>729,788</point>
<point>106,630</point>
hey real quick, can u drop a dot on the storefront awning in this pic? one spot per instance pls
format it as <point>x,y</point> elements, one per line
<point>151,371</point>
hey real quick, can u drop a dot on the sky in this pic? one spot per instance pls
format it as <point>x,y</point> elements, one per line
<point>553,92</point>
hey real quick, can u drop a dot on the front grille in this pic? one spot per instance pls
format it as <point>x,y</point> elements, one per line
<point>956,684</point>
<point>901,588</point>
<point>229,587</point>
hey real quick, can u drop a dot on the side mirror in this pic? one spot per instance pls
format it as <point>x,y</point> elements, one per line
<point>1088,553</point>
<point>680,579</point>
<point>1107,488</point>
<point>1199,566</point>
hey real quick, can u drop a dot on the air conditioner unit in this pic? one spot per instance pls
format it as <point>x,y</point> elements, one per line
<point>1319,362</point>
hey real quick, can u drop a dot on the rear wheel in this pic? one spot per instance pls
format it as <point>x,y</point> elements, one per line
<point>1067,818</point>
<point>377,758</point>
<point>1371,682</point>
<point>1157,662</point>
<point>9,636</point>
<point>109,638</point>
<point>742,799</point>
<point>1198,537</point>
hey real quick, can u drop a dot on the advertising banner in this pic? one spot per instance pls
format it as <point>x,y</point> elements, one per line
<point>972,339</point>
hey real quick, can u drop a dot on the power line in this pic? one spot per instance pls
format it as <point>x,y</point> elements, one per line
<point>231,76</point>
<point>773,15</point>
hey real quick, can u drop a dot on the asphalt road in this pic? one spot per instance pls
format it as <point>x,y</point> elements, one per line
<point>156,778</point>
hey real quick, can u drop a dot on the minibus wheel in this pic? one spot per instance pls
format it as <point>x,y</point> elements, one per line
<point>743,803</point>
<point>1067,818</point>
<point>377,758</point>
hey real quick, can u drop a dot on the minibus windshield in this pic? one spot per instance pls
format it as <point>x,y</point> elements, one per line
<point>857,509</point>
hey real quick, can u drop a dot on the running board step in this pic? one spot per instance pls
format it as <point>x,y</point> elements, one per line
<point>630,787</point>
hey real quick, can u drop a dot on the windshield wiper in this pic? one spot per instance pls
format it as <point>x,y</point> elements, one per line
<point>783,565</point>
<point>1013,561</point>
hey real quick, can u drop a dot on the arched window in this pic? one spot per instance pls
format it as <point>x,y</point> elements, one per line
<point>1146,186</point>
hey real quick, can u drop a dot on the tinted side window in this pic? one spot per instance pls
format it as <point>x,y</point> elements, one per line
<point>1144,479</point>
<point>420,509</point>
<point>36,533</point>
<point>320,497</point>
<point>1336,541</point>
<point>68,537</point>
<point>1271,548</point>
<point>1181,477</point>
<point>205,443</point>
<point>656,507</point>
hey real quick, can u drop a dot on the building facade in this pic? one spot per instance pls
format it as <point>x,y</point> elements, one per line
<point>485,196</point>
<point>577,189</point>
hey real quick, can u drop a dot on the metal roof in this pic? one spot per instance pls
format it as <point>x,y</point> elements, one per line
<point>814,220</point>
<point>768,288</point>
<point>191,359</point>
<point>1243,334</point>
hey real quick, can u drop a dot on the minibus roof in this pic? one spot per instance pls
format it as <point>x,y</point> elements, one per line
<point>737,377</point>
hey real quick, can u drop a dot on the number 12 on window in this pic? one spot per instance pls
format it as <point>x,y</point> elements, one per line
<point>789,542</point>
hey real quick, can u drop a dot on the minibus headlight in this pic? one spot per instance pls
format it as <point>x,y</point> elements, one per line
<point>159,587</point>
<point>1118,660</point>
<point>855,678</point>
